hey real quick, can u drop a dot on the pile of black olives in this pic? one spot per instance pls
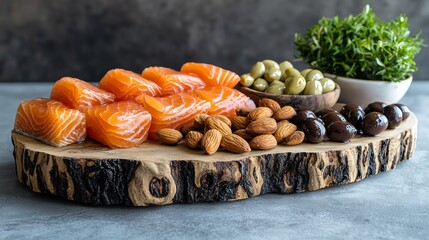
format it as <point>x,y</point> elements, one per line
<point>380,116</point>
<point>352,119</point>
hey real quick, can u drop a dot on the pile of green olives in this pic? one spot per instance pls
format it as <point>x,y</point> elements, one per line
<point>282,78</point>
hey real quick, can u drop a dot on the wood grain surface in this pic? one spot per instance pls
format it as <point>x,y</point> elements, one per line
<point>155,174</point>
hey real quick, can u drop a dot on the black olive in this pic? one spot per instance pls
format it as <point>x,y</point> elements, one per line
<point>348,107</point>
<point>375,107</point>
<point>314,130</point>
<point>341,131</point>
<point>324,112</point>
<point>374,123</point>
<point>404,109</point>
<point>333,117</point>
<point>355,117</point>
<point>319,120</point>
<point>301,116</point>
<point>394,115</point>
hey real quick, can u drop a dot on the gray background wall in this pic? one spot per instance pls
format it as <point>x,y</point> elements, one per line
<point>44,40</point>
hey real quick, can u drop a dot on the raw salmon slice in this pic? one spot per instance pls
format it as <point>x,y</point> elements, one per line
<point>172,111</point>
<point>211,75</point>
<point>78,94</point>
<point>172,81</point>
<point>118,125</point>
<point>127,85</point>
<point>224,100</point>
<point>50,121</point>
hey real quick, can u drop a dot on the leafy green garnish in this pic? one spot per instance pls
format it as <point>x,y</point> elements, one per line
<point>361,46</point>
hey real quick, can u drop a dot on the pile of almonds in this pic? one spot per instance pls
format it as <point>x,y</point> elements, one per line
<point>260,128</point>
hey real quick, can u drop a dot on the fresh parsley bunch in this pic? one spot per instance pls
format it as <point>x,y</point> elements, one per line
<point>361,46</point>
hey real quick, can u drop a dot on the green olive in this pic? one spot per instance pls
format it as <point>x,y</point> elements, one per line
<point>288,80</point>
<point>275,89</point>
<point>270,63</point>
<point>246,80</point>
<point>313,88</point>
<point>314,75</point>
<point>328,85</point>
<point>272,74</point>
<point>291,72</point>
<point>277,82</point>
<point>305,71</point>
<point>295,85</point>
<point>257,70</point>
<point>260,84</point>
<point>283,66</point>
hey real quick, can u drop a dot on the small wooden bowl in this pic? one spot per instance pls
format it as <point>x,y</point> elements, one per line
<point>314,103</point>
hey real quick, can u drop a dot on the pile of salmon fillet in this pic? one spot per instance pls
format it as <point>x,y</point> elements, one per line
<point>127,108</point>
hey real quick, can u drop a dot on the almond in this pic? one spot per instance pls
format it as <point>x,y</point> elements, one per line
<point>262,126</point>
<point>269,103</point>
<point>294,139</point>
<point>244,134</point>
<point>244,111</point>
<point>282,121</point>
<point>187,128</point>
<point>224,119</point>
<point>239,122</point>
<point>260,112</point>
<point>284,129</point>
<point>263,142</point>
<point>211,141</point>
<point>193,139</point>
<point>216,123</point>
<point>199,121</point>
<point>285,113</point>
<point>169,136</point>
<point>235,144</point>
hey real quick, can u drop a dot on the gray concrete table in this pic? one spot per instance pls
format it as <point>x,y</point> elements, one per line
<point>392,205</point>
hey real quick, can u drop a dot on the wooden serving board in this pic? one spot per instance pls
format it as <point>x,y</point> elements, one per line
<point>155,174</point>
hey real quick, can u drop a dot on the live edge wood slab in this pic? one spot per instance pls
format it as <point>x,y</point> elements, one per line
<point>154,174</point>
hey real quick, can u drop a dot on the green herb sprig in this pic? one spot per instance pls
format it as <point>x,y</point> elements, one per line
<point>361,46</point>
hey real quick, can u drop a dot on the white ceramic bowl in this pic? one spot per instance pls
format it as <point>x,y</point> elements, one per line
<point>364,92</point>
